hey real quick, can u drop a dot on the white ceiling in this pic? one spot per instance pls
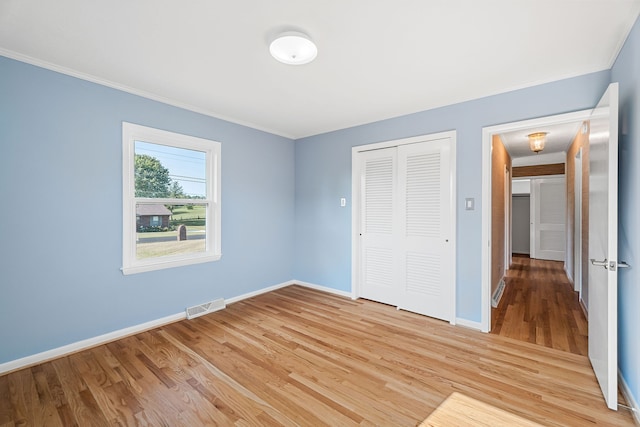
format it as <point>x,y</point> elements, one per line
<point>377,58</point>
<point>559,138</point>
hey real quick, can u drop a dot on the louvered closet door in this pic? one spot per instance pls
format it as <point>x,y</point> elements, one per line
<point>404,212</point>
<point>424,220</point>
<point>379,226</point>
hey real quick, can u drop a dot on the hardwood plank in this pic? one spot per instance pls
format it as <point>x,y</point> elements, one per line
<point>226,389</point>
<point>297,356</point>
<point>6,407</point>
<point>35,402</point>
<point>461,410</point>
<point>540,306</point>
<point>49,411</point>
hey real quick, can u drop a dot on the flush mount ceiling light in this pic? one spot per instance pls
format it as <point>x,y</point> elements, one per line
<point>293,48</point>
<point>536,141</point>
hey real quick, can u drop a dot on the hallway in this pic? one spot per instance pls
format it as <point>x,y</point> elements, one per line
<point>540,306</point>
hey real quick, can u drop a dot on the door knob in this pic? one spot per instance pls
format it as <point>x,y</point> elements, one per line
<point>610,265</point>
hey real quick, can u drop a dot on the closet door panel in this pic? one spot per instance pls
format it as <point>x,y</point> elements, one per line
<point>423,201</point>
<point>379,225</point>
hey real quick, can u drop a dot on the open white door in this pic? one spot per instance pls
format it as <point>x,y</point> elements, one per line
<point>603,244</point>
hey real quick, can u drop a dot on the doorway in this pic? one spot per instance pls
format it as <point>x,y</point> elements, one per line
<point>488,135</point>
<point>599,141</point>
<point>521,224</point>
<point>537,303</point>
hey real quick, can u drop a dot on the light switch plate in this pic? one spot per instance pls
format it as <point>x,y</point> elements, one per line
<point>469,203</point>
<point>343,202</point>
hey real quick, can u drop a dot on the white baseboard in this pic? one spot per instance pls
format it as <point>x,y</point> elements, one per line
<point>324,289</point>
<point>468,324</point>
<point>260,292</point>
<point>569,275</point>
<point>65,350</point>
<point>584,309</point>
<point>631,401</point>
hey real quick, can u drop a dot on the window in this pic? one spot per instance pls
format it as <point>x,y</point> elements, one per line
<point>171,199</point>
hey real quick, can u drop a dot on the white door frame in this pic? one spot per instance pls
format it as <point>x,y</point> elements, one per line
<point>355,206</point>
<point>577,227</point>
<point>487,135</point>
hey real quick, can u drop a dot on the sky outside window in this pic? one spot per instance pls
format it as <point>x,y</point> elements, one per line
<point>186,167</point>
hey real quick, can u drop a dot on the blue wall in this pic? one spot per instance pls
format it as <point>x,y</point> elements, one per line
<point>626,71</point>
<point>323,175</point>
<point>61,215</point>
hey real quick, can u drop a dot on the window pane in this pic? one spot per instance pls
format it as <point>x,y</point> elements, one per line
<point>169,172</point>
<point>170,230</point>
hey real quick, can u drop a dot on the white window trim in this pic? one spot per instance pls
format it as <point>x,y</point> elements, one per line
<point>130,134</point>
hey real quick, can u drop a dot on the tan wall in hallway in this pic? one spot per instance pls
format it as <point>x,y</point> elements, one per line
<point>499,158</point>
<point>581,140</point>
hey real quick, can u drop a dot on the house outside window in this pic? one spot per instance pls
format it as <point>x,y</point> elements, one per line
<point>171,199</point>
<point>152,215</point>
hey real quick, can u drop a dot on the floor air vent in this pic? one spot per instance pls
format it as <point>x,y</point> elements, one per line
<point>495,299</point>
<point>207,307</point>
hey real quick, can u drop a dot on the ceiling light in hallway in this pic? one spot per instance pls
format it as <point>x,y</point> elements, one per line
<point>536,141</point>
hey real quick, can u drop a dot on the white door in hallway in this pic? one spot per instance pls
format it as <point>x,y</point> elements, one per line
<point>405,222</point>
<point>603,244</point>
<point>548,200</point>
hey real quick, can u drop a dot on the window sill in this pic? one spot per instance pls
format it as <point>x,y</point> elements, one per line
<point>157,265</point>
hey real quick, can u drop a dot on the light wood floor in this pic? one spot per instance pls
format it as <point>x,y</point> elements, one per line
<point>540,306</point>
<point>301,357</point>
